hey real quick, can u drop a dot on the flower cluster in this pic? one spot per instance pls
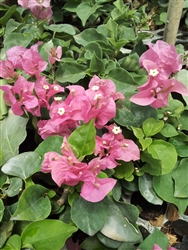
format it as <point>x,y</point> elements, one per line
<point>40,9</point>
<point>27,95</point>
<point>31,91</point>
<point>66,169</point>
<point>160,61</point>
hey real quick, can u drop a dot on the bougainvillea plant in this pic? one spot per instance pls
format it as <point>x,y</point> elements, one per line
<point>89,115</point>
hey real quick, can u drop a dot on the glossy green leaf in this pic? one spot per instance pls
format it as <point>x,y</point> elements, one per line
<point>12,134</point>
<point>22,165</point>
<point>151,166</point>
<point>83,138</point>
<point>93,243</point>
<point>23,39</point>
<point>65,28</point>
<point>70,72</point>
<point>129,114</point>
<point>165,152</point>
<point>145,142</point>
<point>93,221</point>
<point>5,231</point>
<point>47,234</point>
<point>85,10</point>
<point>1,209</point>
<point>96,65</point>
<point>15,187</point>
<point>164,187</point>
<point>152,126</point>
<point>182,76</point>
<point>124,170</point>
<point>51,144</point>
<point>180,142</point>
<point>4,109</point>
<point>8,14</point>
<point>118,76</point>
<point>138,132</point>
<point>91,48</point>
<point>33,204</point>
<point>2,159</point>
<point>147,191</point>
<point>108,242</point>
<point>168,130</point>
<point>117,227</point>
<point>157,237</point>
<point>180,177</point>
<point>13,243</point>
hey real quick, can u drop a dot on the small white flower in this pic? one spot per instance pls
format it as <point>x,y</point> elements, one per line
<point>58,98</point>
<point>97,96</point>
<point>45,86</point>
<point>153,72</point>
<point>95,87</point>
<point>61,111</point>
<point>116,130</point>
<point>56,88</point>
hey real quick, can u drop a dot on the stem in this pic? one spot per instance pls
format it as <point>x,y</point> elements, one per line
<point>63,197</point>
<point>173,19</point>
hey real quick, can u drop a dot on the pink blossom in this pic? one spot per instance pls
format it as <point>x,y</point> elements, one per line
<point>7,69</point>
<point>156,247</point>
<point>165,56</point>
<point>55,54</point>
<point>33,63</point>
<point>20,97</point>
<point>34,3</point>
<point>156,93</point>
<point>42,13</point>
<point>15,55</point>
<point>96,191</point>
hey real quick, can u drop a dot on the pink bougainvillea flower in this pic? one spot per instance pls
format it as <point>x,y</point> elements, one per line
<point>113,146</point>
<point>96,190</point>
<point>34,3</point>
<point>42,13</point>
<point>15,55</point>
<point>156,95</point>
<point>45,91</point>
<point>7,69</point>
<point>20,97</point>
<point>165,56</point>
<point>33,63</point>
<point>156,247</point>
<point>55,54</point>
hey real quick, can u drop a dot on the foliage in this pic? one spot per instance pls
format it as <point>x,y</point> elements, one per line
<point>104,120</point>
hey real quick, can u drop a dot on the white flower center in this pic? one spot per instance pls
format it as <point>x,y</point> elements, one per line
<point>58,98</point>
<point>56,88</point>
<point>94,88</point>
<point>153,72</point>
<point>116,130</point>
<point>45,86</point>
<point>97,96</point>
<point>61,111</point>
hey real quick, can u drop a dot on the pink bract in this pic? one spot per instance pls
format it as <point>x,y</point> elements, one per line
<point>42,13</point>
<point>34,3</point>
<point>55,54</point>
<point>7,69</point>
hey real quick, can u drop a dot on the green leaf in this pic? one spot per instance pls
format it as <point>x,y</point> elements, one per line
<point>108,242</point>
<point>8,14</point>
<point>89,35</point>
<point>124,170</point>
<point>5,231</point>
<point>129,114</point>
<point>85,10</point>
<point>151,166</point>
<point>147,191</point>
<point>157,237</point>
<point>145,142</point>
<point>51,144</point>
<point>2,208</point>
<point>118,76</point>
<point>96,65</point>
<point>23,165</point>
<point>3,110</point>
<point>17,38</point>
<point>165,152</point>
<point>12,134</point>
<point>180,142</point>
<point>15,187</point>
<point>65,28</point>
<point>70,72</point>
<point>182,76</point>
<point>180,178</point>
<point>138,132</point>
<point>13,243</point>
<point>152,126</point>
<point>91,48</point>
<point>164,187</point>
<point>47,234</point>
<point>93,221</point>
<point>83,138</point>
<point>168,130</point>
<point>117,227</point>
<point>33,204</point>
